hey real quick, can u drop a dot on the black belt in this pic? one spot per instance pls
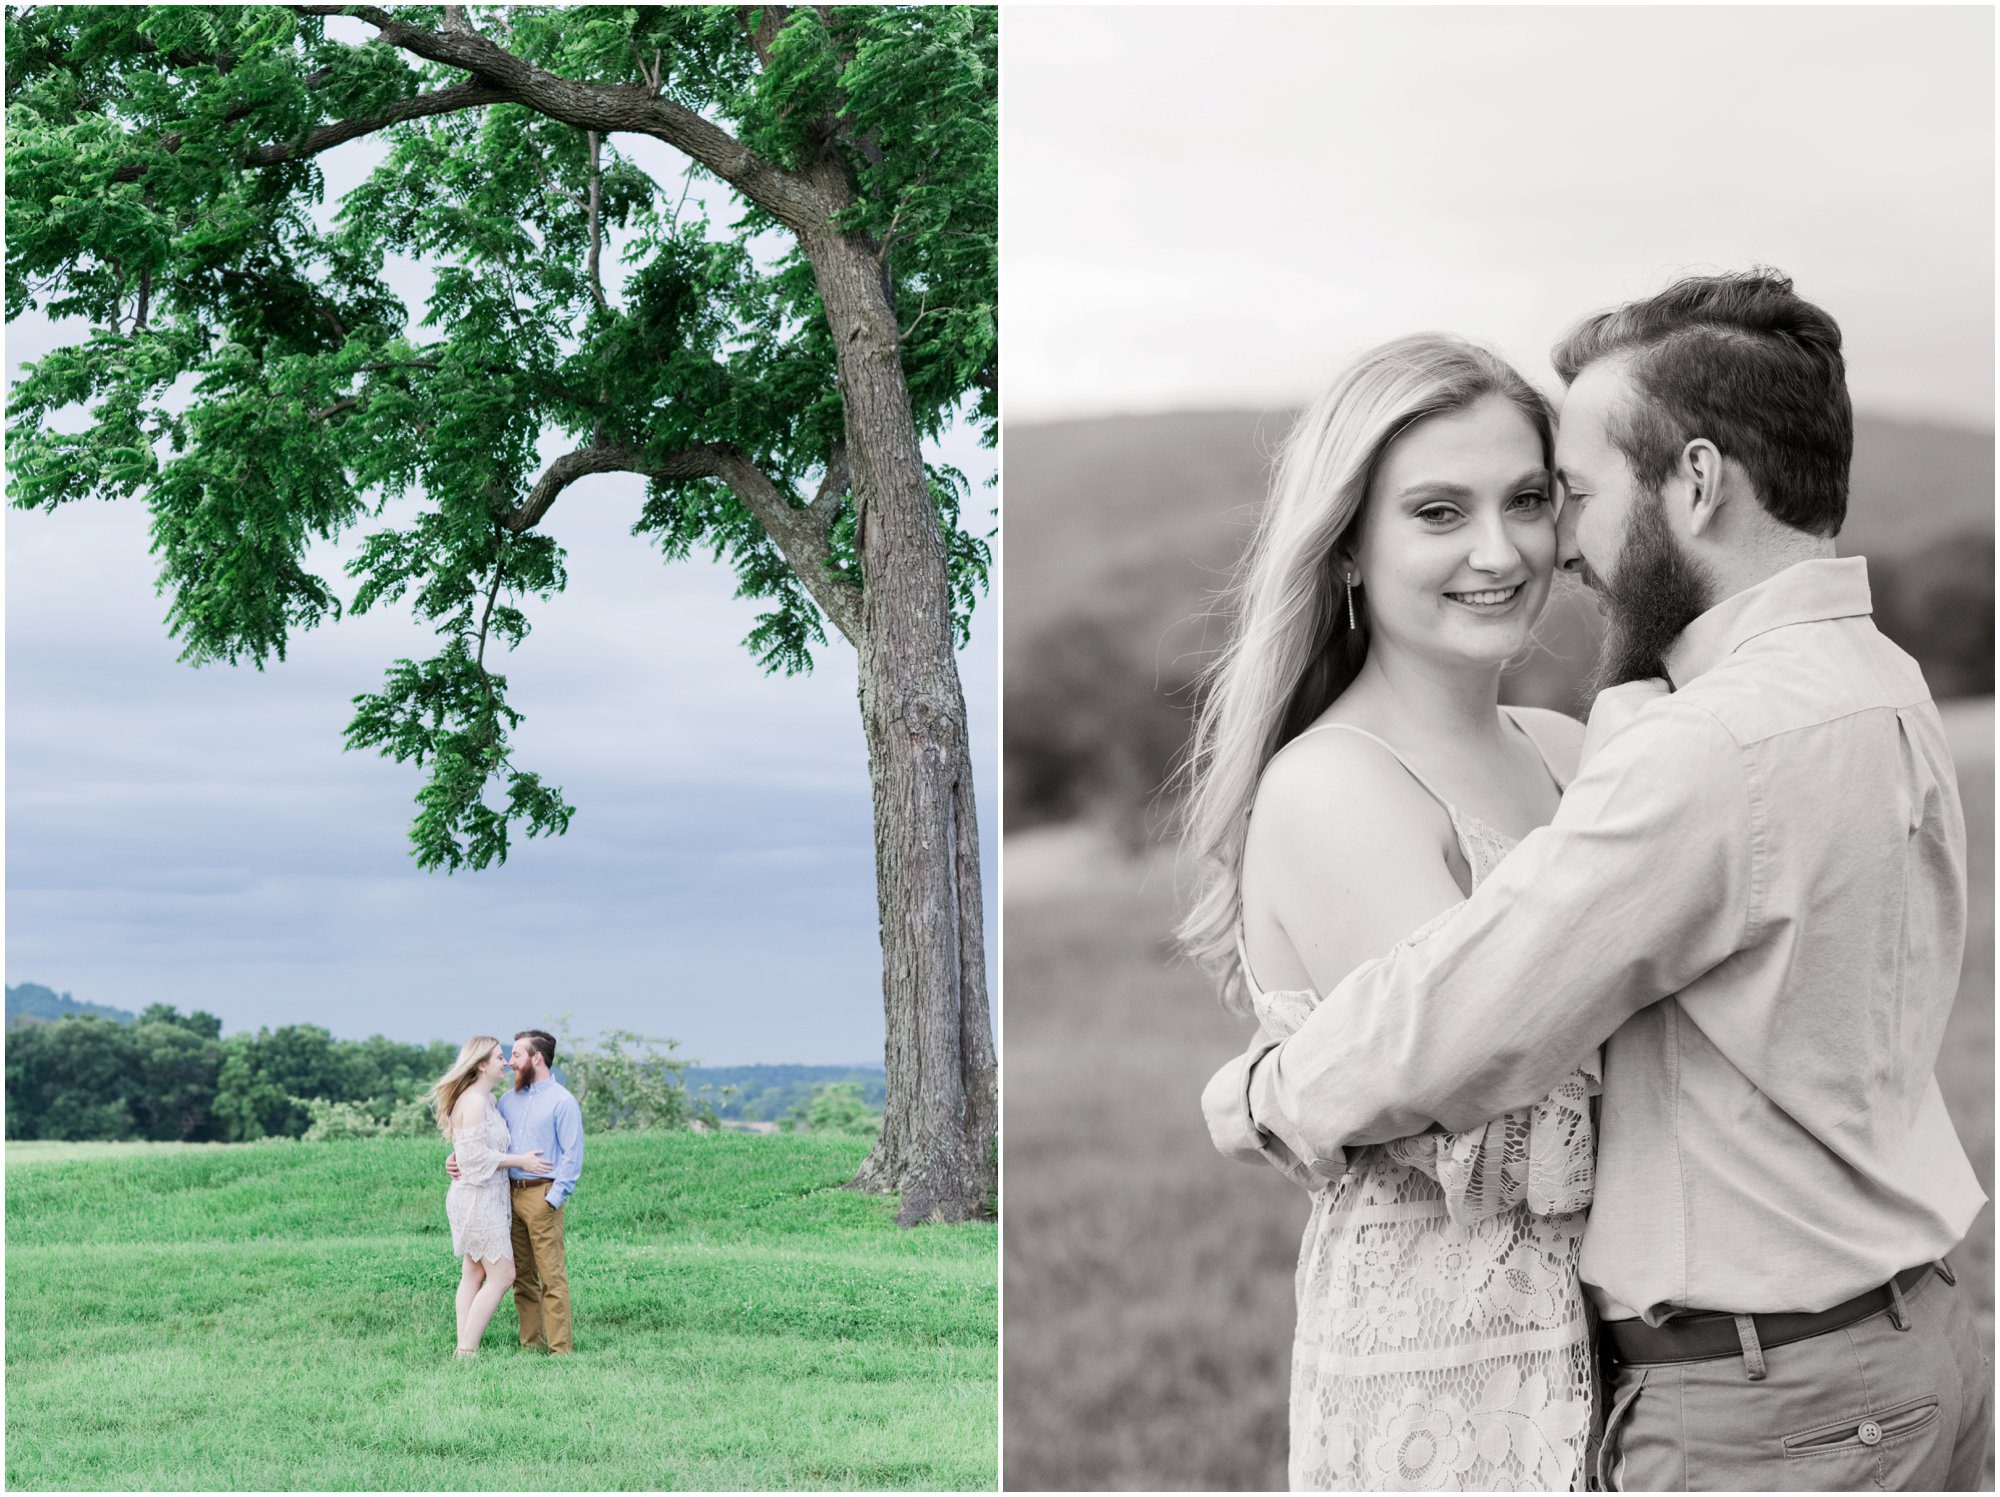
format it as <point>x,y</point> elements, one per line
<point>1701,1338</point>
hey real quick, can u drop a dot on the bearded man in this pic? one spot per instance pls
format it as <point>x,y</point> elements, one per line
<point>1754,896</point>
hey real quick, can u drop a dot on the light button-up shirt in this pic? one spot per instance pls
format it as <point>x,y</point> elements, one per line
<point>1754,891</point>
<point>546,1116</point>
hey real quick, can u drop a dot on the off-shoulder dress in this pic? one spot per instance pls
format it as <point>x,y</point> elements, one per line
<point>1443,1339</point>
<point>477,1205</point>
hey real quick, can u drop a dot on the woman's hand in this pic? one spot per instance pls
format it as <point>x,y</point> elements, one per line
<point>531,1163</point>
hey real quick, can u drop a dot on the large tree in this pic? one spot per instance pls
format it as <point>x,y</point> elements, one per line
<point>252,375</point>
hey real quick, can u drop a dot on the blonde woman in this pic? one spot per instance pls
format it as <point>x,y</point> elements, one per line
<point>476,1203</point>
<point>1353,778</point>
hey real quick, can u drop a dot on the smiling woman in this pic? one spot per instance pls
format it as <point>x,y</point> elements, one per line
<point>1417,491</point>
<point>1417,480</point>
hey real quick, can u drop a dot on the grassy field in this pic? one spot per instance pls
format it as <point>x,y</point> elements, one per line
<point>279,1317</point>
<point>1149,1282</point>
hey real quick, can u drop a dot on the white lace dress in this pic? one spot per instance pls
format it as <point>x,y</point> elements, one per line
<point>1444,1342</point>
<point>477,1204</point>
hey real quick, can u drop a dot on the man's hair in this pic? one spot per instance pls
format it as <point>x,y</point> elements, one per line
<point>541,1042</point>
<point>1745,362</point>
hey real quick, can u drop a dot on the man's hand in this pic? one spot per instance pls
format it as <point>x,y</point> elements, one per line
<point>451,1164</point>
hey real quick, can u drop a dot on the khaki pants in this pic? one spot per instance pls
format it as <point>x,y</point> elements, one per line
<point>1869,1407</point>
<point>541,1288</point>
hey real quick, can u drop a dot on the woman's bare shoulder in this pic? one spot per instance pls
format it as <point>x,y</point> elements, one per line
<point>1329,790</point>
<point>471,1108</point>
<point>1347,854</point>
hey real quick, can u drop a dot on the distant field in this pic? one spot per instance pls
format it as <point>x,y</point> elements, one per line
<point>1149,1282</point>
<point>22,1153</point>
<point>278,1317</point>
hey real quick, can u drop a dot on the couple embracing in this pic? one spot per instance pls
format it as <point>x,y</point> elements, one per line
<point>513,1165</point>
<point>1607,1053</point>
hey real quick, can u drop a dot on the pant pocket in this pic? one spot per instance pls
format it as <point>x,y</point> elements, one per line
<point>1610,1468</point>
<point>1886,1427</point>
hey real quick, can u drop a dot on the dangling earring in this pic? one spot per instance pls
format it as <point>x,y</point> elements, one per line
<point>1350,603</point>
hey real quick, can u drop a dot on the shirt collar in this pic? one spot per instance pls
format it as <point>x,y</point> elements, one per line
<point>1807,592</point>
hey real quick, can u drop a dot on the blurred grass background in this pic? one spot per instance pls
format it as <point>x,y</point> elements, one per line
<point>1148,1283</point>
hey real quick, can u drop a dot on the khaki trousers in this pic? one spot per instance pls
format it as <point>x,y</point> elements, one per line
<point>541,1288</point>
<point>1870,1407</point>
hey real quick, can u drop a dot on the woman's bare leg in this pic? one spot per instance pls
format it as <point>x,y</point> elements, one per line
<point>499,1279</point>
<point>469,1280</point>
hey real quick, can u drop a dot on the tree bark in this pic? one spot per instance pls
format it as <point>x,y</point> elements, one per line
<point>939,1126</point>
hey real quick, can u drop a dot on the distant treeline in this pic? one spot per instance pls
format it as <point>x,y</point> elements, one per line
<point>173,1077</point>
<point>769,1094</point>
<point>85,1071</point>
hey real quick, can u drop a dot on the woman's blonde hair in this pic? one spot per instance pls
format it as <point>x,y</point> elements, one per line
<point>460,1079</point>
<point>1291,652</point>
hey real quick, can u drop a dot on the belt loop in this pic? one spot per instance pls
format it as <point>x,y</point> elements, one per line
<point>1753,1353</point>
<point>1898,1311</point>
<point>1944,1272</point>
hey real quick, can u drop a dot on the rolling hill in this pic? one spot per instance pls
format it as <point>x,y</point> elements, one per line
<point>31,1003</point>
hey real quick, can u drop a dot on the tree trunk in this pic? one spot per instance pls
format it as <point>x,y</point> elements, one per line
<point>941,1117</point>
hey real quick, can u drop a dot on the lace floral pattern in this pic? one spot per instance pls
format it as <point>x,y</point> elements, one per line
<point>1443,1340</point>
<point>477,1205</point>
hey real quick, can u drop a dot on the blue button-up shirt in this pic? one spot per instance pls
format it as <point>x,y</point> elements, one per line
<point>545,1117</point>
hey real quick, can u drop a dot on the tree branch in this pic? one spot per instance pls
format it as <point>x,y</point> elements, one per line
<point>325,137</point>
<point>328,412</point>
<point>762,23</point>
<point>486,620</point>
<point>799,534</point>
<point>833,488</point>
<point>222,61</point>
<point>564,471</point>
<point>596,223</point>
<point>605,108</point>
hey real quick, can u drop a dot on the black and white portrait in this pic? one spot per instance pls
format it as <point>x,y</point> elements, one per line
<point>1498,957</point>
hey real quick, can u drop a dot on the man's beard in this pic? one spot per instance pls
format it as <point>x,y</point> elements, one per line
<point>1656,590</point>
<point>524,1077</point>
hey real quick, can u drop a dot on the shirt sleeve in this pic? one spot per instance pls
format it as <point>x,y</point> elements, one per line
<point>1224,1103</point>
<point>567,1124</point>
<point>1644,881</point>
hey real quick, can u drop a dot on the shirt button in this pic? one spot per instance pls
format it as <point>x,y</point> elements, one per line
<point>1870,1433</point>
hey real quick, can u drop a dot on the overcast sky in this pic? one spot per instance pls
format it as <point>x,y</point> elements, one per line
<point>198,837</point>
<point>1220,207</point>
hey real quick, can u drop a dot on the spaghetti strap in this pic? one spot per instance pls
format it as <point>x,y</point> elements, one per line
<point>1532,737</point>
<point>1243,959</point>
<point>1390,750</point>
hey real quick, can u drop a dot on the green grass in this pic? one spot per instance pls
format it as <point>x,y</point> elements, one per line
<point>1149,1281</point>
<point>279,1317</point>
